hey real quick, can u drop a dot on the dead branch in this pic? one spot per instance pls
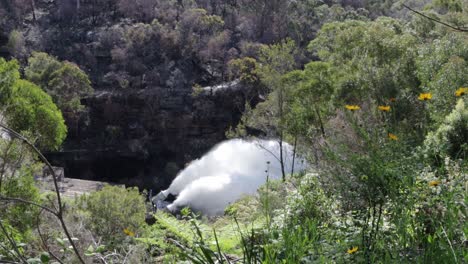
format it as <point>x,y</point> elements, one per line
<point>435,20</point>
<point>59,212</point>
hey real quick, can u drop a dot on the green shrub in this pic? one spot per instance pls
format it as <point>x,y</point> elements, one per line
<point>114,213</point>
<point>451,137</point>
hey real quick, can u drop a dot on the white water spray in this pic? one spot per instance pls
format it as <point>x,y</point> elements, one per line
<point>232,169</point>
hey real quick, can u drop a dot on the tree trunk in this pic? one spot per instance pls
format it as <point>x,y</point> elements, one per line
<point>294,155</point>
<point>322,129</point>
<point>33,7</point>
<point>283,173</point>
<point>280,127</point>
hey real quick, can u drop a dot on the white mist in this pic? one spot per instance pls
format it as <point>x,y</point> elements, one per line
<point>232,169</point>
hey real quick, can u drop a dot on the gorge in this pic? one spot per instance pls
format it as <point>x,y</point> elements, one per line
<point>144,137</point>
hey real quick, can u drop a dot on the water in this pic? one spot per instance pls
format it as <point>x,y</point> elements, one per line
<point>232,169</point>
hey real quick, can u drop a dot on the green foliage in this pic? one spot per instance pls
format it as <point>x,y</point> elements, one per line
<point>308,93</point>
<point>374,59</point>
<point>114,213</point>
<point>449,5</point>
<point>197,90</point>
<point>68,85</point>
<point>9,74</point>
<point>276,60</point>
<point>64,81</point>
<point>389,184</point>
<point>246,69</point>
<point>19,185</point>
<point>31,109</point>
<point>442,69</point>
<point>451,137</point>
<point>374,199</point>
<point>40,68</point>
<point>16,181</point>
<point>271,198</point>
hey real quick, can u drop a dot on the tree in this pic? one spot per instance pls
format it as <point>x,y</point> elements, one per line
<point>374,63</point>
<point>64,81</point>
<point>40,68</point>
<point>31,109</point>
<point>309,92</point>
<point>244,69</point>
<point>9,74</point>
<point>275,60</point>
<point>68,85</point>
<point>270,18</point>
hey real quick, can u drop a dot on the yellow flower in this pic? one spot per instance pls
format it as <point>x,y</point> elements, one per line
<point>384,108</point>
<point>392,136</point>
<point>352,107</point>
<point>425,96</point>
<point>434,183</point>
<point>462,91</point>
<point>128,232</point>
<point>353,250</point>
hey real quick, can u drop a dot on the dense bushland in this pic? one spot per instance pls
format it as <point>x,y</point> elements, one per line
<point>373,95</point>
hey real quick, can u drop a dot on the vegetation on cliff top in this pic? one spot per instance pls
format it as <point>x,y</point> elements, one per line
<point>371,93</point>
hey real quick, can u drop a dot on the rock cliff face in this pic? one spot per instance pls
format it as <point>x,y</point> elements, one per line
<point>144,137</point>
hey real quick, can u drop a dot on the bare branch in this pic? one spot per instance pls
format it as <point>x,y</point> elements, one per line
<point>44,242</point>
<point>19,200</point>
<point>435,20</point>
<point>59,212</point>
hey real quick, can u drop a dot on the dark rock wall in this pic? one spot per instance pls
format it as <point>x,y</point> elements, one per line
<point>144,137</point>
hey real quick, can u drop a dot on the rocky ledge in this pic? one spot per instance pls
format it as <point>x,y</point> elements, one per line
<point>144,137</point>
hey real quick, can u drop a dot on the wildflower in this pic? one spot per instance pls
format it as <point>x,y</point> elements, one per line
<point>392,136</point>
<point>434,183</point>
<point>425,96</point>
<point>352,107</point>
<point>128,232</point>
<point>384,108</point>
<point>462,91</point>
<point>353,250</point>
<point>393,99</point>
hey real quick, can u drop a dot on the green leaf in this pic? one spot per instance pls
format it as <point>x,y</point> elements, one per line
<point>101,248</point>
<point>45,257</point>
<point>61,242</point>
<point>430,239</point>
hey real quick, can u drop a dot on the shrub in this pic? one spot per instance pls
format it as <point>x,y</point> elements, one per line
<point>451,138</point>
<point>114,212</point>
<point>16,44</point>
